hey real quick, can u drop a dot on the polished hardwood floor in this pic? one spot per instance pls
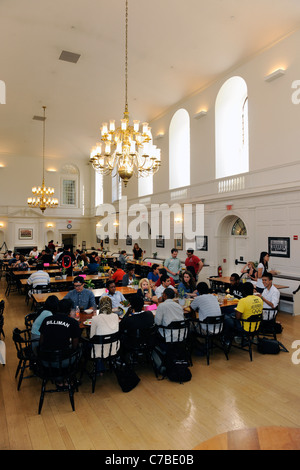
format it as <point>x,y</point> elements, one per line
<point>156,415</point>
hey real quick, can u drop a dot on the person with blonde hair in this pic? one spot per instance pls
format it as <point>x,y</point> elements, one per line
<point>145,291</point>
<point>250,271</point>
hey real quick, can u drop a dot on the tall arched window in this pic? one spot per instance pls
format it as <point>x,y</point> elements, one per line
<point>69,185</point>
<point>179,150</point>
<point>232,143</point>
<point>98,189</point>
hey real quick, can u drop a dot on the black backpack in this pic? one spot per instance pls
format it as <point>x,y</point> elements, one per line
<point>177,370</point>
<point>270,346</point>
<point>170,365</point>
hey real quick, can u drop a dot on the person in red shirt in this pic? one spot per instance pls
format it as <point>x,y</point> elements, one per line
<point>161,272</point>
<point>193,263</point>
<point>117,276</point>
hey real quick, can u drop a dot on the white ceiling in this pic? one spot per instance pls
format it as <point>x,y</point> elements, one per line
<point>175,48</point>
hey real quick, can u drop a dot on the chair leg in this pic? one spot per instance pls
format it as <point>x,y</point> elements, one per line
<point>42,395</point>
<point>207,346</point>
<point>22,374</point>
<point>18,369</point>
<point>71,395</point>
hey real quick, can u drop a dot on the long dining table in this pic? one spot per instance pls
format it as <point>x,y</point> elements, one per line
<point>40,299</point>
<point>70,279</point>
<point>225,280</point>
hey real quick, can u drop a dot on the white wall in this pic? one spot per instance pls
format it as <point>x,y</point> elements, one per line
<point>268,201</point>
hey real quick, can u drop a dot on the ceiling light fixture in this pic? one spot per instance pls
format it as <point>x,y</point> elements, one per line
<point>126,148</point>
<point>42,196</point>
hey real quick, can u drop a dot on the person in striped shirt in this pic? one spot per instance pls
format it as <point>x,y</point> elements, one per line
<point>38,277</point>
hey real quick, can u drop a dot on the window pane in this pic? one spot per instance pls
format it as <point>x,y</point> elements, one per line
<point>179,150</point>
<point>69,192</point>
<point>232,143</point>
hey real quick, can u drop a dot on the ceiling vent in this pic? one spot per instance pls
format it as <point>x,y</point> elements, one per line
<point>69,57</point>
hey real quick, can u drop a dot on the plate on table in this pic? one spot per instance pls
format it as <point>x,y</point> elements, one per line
<point>88,310</point>
<point>87,322</point>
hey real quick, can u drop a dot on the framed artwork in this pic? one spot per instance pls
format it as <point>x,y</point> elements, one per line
<point>25,233</point>
<point>201,243</point>
<point>279,246</point>
<point>160,241</point>
<point>128,240</point>
<point>178,241</point>
<point>106,240</point>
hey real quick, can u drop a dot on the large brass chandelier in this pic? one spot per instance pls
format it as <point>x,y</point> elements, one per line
<point>127,148</point>
<point>42,196</point>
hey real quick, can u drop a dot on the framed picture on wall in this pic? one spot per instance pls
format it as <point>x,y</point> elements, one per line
<point>201,243</point>
<point>25,233</point>
<point>160,241</point>
<point>279,246</point>
<point>106,240</point>
<point>128,240</point>
<point>178,241</point>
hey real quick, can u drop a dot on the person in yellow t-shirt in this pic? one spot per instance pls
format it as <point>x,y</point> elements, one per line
<point>249,305</point>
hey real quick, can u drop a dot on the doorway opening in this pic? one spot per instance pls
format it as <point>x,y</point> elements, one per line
<point>232,244</point>
<point>69,240</point>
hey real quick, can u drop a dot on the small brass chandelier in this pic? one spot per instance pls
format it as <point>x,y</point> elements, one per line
<point>126,148</point>
<point>42,196</point>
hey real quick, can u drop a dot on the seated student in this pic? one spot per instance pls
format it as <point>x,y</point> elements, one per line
<point>135,318</point>
<point>236,287</point>
<point>60,331</point>
<point>249,271</point>
<point>34,253</point>
<point>123,259</point>
<point>93,267</point>
<point>14,259</point>
<point>248,305</point>
<point>129,277</point>
<point>21,264</point>
<point>165,282</point>
<point>106,323</point>
<point>205,304</point>
<point>49,309</point>
<point>45,257</point>
<point>81,297</point>
<point>168,311</point>
<point>118,274</point>
<point>8,255</point>
<point>270,295</point>
<point>38,277</point>
<point>153,275</point>
<point>116,297</point>
<point>187,287</point>
<point>146,292</point>
<point>163,272</point>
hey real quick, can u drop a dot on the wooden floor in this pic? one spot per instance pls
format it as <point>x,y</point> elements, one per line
<point>156,415</point>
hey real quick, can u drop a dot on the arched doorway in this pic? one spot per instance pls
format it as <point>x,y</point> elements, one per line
<point>232,244</point>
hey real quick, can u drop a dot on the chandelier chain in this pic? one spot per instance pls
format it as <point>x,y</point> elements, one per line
<point>126,57</point>
<point>44,134</point>
<point>128,148</point>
